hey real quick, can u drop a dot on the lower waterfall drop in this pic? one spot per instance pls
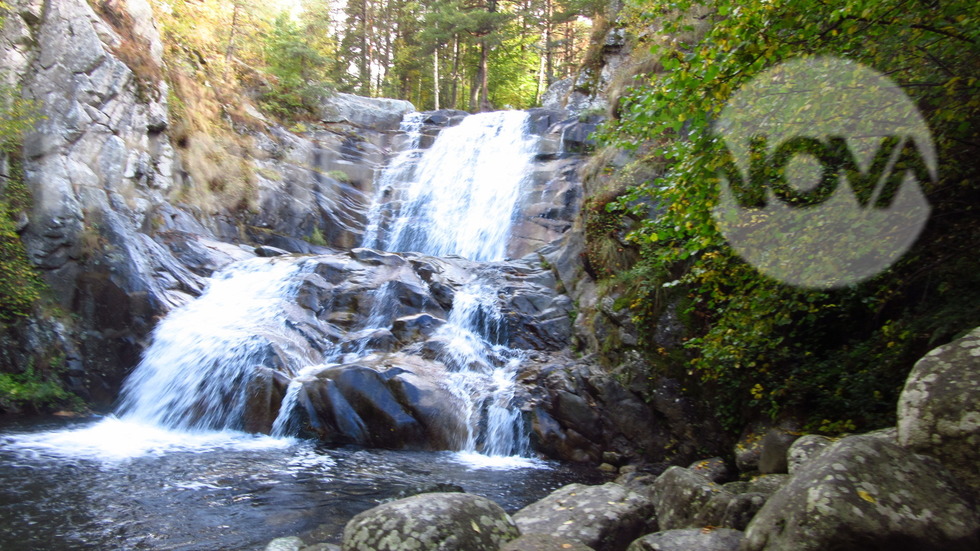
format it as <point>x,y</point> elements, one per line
<point>484,372</point>
<point>194,373</point>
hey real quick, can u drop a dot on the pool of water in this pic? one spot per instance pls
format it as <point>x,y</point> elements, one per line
<point>107,484</point>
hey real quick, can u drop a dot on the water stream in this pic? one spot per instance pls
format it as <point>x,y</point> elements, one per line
<point>172,469</point>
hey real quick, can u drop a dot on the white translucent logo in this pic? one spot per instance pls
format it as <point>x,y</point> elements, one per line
<point>822,185</point>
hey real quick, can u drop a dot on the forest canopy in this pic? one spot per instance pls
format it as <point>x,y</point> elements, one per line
<point>461,54</point>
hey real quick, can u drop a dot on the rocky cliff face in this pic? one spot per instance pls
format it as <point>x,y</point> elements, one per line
<point>111,225</point>
<point>121,241</point>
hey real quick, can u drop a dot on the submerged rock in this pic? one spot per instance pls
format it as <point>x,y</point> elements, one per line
<point>431,522</point>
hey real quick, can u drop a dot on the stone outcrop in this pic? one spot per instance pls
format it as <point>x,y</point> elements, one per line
<point>586,90</point>
<point>720,539</point>
<point>605,518</point>
<point>381,319</point>
<point>99,164</point>
<point>939,408</point>
<point>372,113</point>
<point>434,521</point>
<point>864,493</point>
<point>579,411</point>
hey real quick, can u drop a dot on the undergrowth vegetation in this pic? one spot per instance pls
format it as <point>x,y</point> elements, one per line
<point>757,346</point>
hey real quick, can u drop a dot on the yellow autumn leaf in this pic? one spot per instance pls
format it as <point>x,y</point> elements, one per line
<point>475,526</point>
<point>866,496</point>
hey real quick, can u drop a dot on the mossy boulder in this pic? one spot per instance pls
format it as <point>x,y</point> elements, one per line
<point>864,493</point>
<point>939,408</point>
<point>431,522</point>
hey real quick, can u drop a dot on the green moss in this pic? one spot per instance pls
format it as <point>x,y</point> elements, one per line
<point>37,389</point>
<point>316,238</point>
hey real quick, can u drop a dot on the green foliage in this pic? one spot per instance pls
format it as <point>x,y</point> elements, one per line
<point>339,175</point>
<point>838,357</point>
<point>20,284</point>
<point>316,238</point>
<point>32,389</point>
<point>300,71</point>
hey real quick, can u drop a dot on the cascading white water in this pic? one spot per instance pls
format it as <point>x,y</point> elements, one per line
<point>459,196</point>
<point>483,372</point>
<point>203,354</point>
<point>455,198</point>
<point>400,169</point>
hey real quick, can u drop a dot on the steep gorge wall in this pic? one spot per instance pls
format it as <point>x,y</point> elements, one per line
<point>126,221</point>
<point>122,235</point>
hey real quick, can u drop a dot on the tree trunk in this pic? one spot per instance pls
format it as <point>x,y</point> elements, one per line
<point>364,63</point>
<point>435,76</point>
<point>230,50</point>
<point>484,92</point>
<point>454,95</point>
<point>549,55</point>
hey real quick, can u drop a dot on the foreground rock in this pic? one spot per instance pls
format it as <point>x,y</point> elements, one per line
<point>864,493</point>
<point>689,540</point>
<point>679,495</point>
<point>544,542</point>
<point>939,408</point>
<point>431,522</point>
<point>605,518</point>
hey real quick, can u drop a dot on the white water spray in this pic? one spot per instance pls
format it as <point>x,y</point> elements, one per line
<point>193,375</point>
<point>458,197</point>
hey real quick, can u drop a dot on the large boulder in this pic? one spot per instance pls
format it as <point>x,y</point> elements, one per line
<point>720,539</point>
<point>544,542</point>
<point>431,522</point>
<point>605,518</point>
<point>714,469</point>
<point>804,449</point>
<point>939,408</point>
<point>370,113</point>
<point>727,510</point>
<point>862,494</point>
<point>679,495</point>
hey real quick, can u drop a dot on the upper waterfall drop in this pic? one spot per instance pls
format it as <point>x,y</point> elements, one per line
<point>459,196</point>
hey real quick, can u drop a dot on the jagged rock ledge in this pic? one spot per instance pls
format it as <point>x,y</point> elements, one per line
<point>884,490</point>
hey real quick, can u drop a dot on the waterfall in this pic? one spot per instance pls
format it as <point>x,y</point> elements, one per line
<point>484,372</point>
<point>400,169</point>
<point>459,196</point>
<point>202,354</point>
<point>455,198</point>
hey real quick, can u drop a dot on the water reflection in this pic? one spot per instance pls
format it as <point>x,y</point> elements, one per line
<point>110,485</point>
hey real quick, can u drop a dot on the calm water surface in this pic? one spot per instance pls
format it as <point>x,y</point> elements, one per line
<point>109,484</point>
